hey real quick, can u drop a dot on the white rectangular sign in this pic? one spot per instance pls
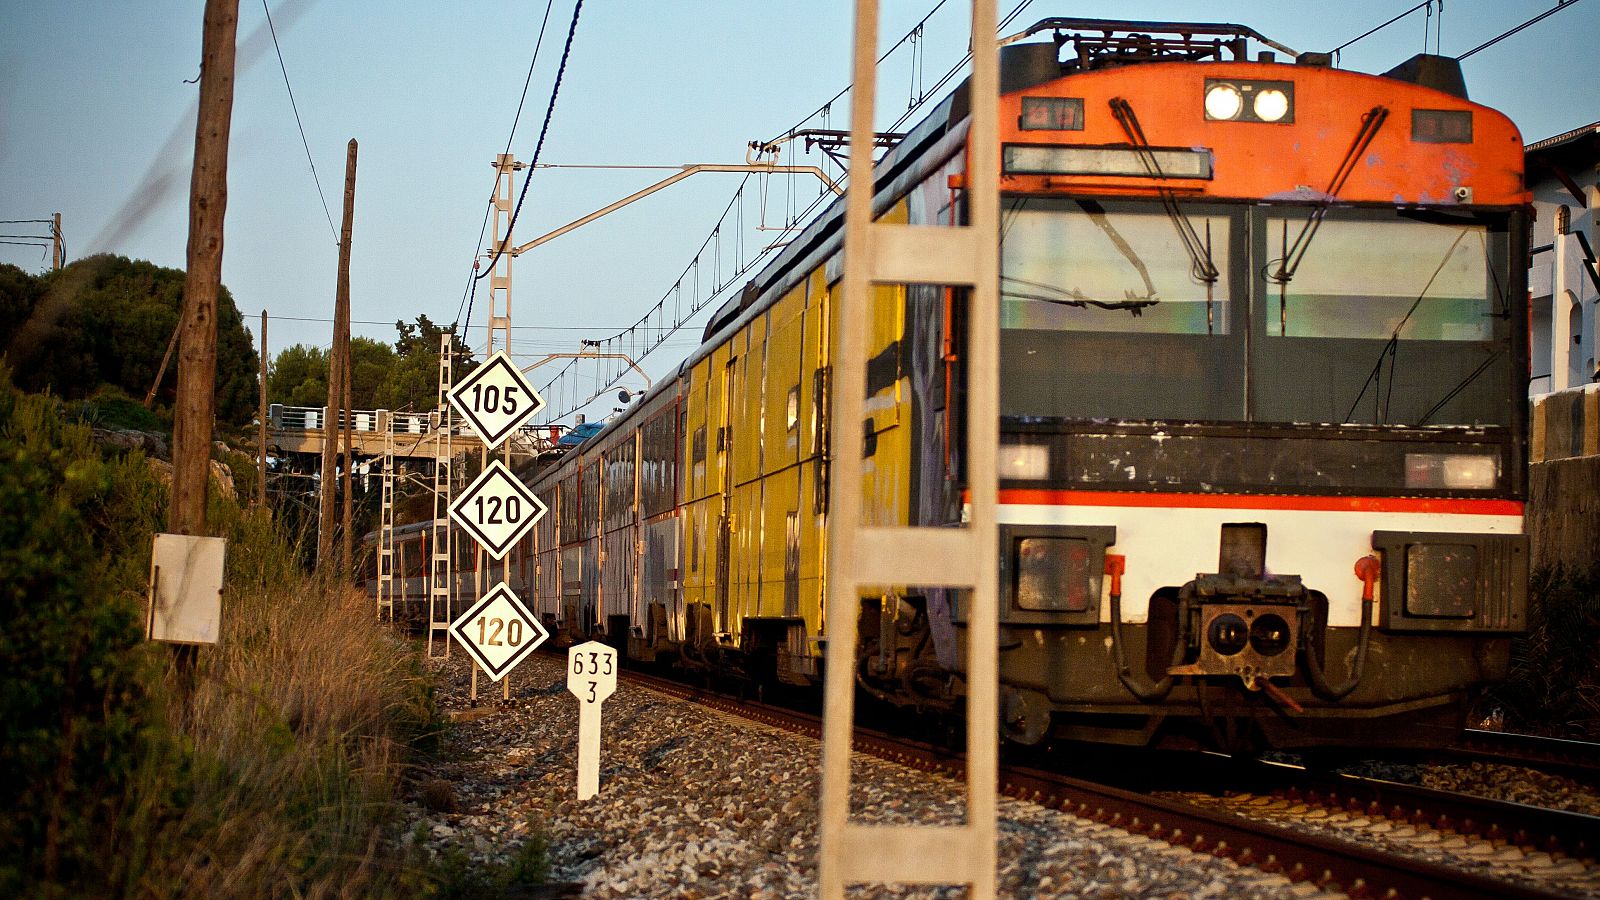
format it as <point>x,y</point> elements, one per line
<point>186,589</point>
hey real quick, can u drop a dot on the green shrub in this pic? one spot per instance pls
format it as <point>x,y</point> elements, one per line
<point>1553,687</point>
<point>265,766</point>
<point>74,673</point>
<point>111,407</point>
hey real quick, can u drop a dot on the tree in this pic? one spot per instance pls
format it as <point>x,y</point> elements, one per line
<point>403,378</point>
<point>299,377</point>
<point>370,365</point>
<point>413,382</point>
<point>107,320</point>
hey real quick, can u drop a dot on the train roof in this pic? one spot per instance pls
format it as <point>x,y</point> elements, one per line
<point>941,133</point>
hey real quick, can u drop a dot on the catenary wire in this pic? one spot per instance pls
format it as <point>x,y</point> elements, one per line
<point>1377,28</point>
<point>1560,5</point>
<point>470,289</point>
<point>298,124</point>
<point>538,147</point>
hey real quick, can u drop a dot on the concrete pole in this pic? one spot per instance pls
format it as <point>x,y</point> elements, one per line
<point>1561,304</point>
<point>194,415</point>
<point>261,416</point>
<point>328,485</point>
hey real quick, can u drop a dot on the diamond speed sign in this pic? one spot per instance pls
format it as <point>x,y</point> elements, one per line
<point>497,509</point>
<point>498,631</point>
<point>495,399</point>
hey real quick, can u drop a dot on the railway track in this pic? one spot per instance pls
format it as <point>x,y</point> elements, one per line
<point>1514,848</point>
<point>1578,760</point>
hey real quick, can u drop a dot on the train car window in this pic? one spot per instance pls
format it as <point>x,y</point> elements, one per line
<point>571,503</point>
<point>1081,266</point>
<point>619,485</point>
<point>1389,319</point>
<point>589,510</point>
<point>658,479</point>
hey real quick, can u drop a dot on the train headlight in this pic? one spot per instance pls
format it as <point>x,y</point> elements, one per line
<point>1452,471</point>
<point>1223,101</point>
<point>1269,634</point>
<point>1271,102</point>
<point>1271,105</point>
<point>1023,462</point>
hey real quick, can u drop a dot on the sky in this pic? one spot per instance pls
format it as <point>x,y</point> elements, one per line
<point>96,123</point>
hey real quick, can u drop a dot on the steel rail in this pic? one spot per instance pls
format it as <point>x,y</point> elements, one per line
<point>1329,863</point>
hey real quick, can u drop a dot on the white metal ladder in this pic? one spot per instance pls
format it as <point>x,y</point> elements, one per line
<point>882,557</point>
<point>386,572</point>
<point>441,581</point>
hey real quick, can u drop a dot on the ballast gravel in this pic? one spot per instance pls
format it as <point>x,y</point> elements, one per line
<point>698,804</point>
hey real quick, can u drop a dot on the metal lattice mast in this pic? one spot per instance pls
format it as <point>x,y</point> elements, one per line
<point>501,254</point>
<point>441,581</point>
<point>386,571</point>
<point>862,558</point>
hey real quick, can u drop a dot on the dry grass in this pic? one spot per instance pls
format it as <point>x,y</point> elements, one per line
<point>292,736</point>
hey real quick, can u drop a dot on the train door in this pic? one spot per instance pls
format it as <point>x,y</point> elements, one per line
<point>725,489</point>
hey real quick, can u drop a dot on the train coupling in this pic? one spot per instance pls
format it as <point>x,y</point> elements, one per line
<point>1243,625</point>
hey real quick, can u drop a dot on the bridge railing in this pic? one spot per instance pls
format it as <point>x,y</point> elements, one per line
<point>316,418</point>
<point>408,427</point>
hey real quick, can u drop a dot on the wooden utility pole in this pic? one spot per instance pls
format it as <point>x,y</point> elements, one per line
<point>55,241</point>
<point>261,436</point>
<point>328,486</point>
<point>195,412</point>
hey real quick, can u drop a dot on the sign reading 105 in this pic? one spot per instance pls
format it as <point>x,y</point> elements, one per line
<point>493,399</point>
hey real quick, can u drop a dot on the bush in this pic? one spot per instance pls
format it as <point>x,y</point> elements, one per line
<point>1553,687</point>
<point>74,673</point>
<point>264,766</point>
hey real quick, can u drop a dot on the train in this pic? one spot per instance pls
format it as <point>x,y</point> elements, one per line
<point>1263,453</point>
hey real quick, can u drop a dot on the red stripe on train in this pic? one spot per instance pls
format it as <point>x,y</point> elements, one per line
<point>1446,505</point>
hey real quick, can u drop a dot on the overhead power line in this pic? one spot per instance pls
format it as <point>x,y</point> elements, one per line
<point>538,148</point>
<point>294,106</point>
<point>1560,5</point>
<point>1377,28</point>
<point>470,290</point>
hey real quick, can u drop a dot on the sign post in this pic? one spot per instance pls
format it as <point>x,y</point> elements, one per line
<point>591,677</point>
<point>497,509</point>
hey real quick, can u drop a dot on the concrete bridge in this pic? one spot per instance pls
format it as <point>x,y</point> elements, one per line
<point>303,429</point>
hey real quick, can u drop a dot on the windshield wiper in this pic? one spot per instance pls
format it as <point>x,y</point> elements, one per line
<point>1371,122</point>
<point>1201,266</point>
<point>1134,303</point>
<point>1380,414</point>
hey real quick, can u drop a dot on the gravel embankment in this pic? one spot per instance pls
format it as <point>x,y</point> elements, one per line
<point>696,804</point>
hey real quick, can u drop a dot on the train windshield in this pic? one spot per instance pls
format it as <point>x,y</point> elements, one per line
<point>1368,317</point>
<point>1106,311</point>
<point>1383,319</point>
